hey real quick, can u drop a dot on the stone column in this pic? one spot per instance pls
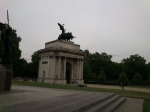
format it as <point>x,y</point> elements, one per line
<point>82,69</point>
<point>56,67</point>
<point>50,75</point>
<point>74,69</point>
<point>79,69</point>
<point>71,74</point>
<point>59,67</point>
<point>53,69</point>
<point>64,74</point>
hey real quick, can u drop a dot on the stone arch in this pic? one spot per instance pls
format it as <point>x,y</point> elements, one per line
<point>62,62</point>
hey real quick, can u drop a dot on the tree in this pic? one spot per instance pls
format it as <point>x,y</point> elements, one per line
<point>102,77</point>
<point>122,78</point>
<point>32,68</point>
<point>137,79</point>
<point>100,62</point>
<point>87,55</point>
<point>21,67</point>
<point>15,50</point>
<point>35,62</point>
<point>2,26</point>
<point>115,70</point>
<point>148,81</point>
<point>135,64</point>
<point>86,72</point>
<point>94,78</point>
<point>35,57</point>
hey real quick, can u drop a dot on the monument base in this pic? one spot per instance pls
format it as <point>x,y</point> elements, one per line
<point>6,75</point>
<point>59,81</point>
<point>51,81</point>
<point>80,81</point>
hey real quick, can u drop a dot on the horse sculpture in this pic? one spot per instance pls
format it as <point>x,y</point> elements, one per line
<point>65,36</point>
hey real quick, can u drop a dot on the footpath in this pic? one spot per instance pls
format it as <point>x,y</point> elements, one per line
<point>130,88</point>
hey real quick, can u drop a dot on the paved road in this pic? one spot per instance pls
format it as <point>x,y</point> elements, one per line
<point>38,99</point>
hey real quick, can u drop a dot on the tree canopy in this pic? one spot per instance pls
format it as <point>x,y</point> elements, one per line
<point>134,64</point>
<point>32,68</point>
<point>137,79</point>
<point>113,71</point>
<point>15,51</point>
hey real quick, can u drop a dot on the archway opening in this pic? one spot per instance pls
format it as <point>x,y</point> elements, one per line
<point>68,73</point>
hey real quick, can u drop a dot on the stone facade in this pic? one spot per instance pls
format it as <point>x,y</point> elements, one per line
<point>61,62</point>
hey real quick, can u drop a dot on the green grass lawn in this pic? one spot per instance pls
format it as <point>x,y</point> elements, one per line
<point>125,93</point>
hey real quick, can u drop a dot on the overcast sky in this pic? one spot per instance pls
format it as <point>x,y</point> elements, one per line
<point>118,27</point>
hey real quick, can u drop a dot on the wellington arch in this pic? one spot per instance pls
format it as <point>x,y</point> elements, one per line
<point>61,62</point>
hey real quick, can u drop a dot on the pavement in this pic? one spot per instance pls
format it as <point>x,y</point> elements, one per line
<point>38,99</point>
<point>131,105</point>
